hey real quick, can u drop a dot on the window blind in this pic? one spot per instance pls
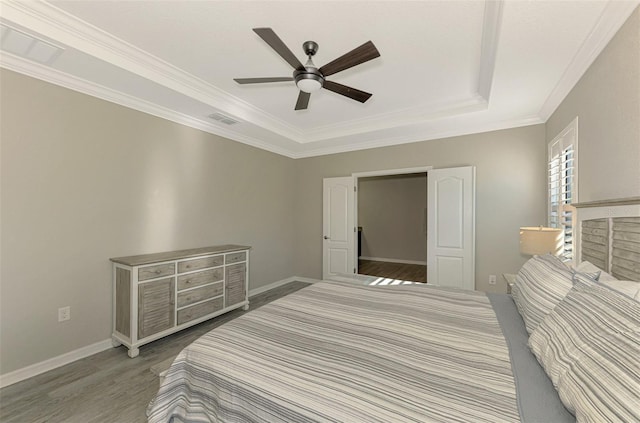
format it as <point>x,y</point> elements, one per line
<point>562,191</point>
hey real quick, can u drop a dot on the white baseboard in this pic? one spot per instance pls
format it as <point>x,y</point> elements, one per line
<point>270,286</point>
<point>276,284</point>
<point>55,362</point>
<point>390,260</point>
<point>307,280</point>
<point>52,363</point>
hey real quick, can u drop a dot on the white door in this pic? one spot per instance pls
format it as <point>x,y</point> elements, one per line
<point>338,249</point>
<point>451,227</point>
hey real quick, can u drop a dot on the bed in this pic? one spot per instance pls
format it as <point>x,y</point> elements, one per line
<point>354,353</point>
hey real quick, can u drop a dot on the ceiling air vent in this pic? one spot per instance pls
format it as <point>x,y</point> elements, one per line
<point>222,118</point>
<point>28,46</point>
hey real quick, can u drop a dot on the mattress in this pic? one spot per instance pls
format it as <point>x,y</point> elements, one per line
<point>336,352</point>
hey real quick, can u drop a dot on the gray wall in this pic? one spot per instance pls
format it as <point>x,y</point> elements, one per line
<point>607,103</point>
<point>391,211</point>
<point>510,189</point>
<point>84,180</point>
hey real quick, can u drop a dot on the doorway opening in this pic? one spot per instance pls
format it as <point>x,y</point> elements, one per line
<point>391,216</point>
<point>450,226</point>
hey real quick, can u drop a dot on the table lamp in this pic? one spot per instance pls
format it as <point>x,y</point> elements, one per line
<point>540,240</point>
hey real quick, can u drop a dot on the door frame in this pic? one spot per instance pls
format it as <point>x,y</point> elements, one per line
<point>373,173</point>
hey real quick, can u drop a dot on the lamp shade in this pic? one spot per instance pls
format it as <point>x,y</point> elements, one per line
<point>541,240</point>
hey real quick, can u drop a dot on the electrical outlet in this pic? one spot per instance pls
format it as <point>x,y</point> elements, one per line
<point>64,313</point>
<point>492,279</point>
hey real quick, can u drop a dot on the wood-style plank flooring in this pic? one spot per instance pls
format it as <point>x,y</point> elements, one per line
<point>108,386</point>
<point>401,271</point>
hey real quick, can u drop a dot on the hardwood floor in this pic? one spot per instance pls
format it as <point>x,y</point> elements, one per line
<point>401,271</point>
<point>108,386</point>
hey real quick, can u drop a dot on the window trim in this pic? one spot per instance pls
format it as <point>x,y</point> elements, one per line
<point>568,136</point>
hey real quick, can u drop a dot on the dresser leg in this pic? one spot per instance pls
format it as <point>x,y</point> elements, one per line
<point>245,307</point>
<point>133,352</point>
<point>115,343</point>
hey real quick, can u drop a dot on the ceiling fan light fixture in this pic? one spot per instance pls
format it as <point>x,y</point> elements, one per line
<point>309,85</point>
<point>308,80</point>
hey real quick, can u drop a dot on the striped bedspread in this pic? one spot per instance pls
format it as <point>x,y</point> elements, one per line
<point>348,353</point>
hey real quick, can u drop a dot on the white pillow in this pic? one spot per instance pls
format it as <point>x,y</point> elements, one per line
<point>604,277</point>
<point>629,288</point>
<point>587,267</point>
<point>590,268</point>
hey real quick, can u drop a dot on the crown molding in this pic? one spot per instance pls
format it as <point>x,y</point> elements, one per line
<point>460,130</point>
<point>397,118</point>
<point>613,17</point>
<point>47,74</point>
<point>58,25</point>
<point>56,77</point>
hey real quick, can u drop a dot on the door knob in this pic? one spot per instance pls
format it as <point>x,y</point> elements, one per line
<point>325,237</point>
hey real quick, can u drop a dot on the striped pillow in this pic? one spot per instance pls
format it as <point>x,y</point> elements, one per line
<point>604,386</point>
<point>541,283</point>
<point>590,348</point>
<point>556,341</point>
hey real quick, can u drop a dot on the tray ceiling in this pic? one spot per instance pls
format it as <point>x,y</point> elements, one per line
<point>446,68</point>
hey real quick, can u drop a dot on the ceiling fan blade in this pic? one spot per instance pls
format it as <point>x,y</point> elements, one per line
<point>303,100</point>
<point>358,55</point>
<point>352,93</point>
<point>279,46</point>
<point>262,80</point>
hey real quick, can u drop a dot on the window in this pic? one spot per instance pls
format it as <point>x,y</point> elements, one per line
<point>563,184</point>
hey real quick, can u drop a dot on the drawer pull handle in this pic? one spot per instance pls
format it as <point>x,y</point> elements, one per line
<point>188,281</point>
<point>188,266</point>
<point>158,271</point>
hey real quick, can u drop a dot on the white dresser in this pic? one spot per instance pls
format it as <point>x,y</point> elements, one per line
<point>155,295</point>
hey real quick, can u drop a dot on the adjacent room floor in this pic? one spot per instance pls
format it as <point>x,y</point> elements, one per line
<point>398,271</point>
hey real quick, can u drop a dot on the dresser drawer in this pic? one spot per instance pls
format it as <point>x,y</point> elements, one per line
<point>199,278</point>
<point>203,263</point>
<point>236,257</point>
<point>199,294</point>
<point>156,271</point>
<point>199,310</point>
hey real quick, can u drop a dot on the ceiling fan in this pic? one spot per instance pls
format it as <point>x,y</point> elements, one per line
<point>308,77</point>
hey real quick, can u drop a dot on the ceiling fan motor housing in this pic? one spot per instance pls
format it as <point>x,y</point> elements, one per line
<point>310,48</point>
<point>309,79</point>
